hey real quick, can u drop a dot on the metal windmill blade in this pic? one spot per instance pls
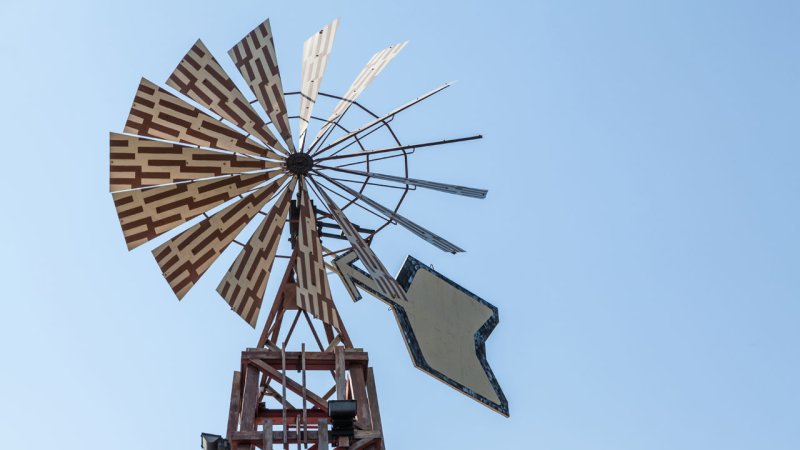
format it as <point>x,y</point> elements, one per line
<point>191,181</point>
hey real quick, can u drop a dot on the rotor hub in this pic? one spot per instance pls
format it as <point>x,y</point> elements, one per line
<point>299,163</point>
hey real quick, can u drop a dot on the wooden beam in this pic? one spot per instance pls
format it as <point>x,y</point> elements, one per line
<point>257,437</point>
<point>322,434</point>
<point>375,410</point>
<point>249,400</point>
<point>290,384</point>
<point>359,389</point>
<point>267,440</point>
<point>339,373</point>
<point>236,403</point>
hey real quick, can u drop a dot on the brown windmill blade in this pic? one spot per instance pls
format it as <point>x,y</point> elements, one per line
<point>138,162</point>
<point>257,61</point>
<point>200,77</point>
<point>186,257</point>
<point>367,75</point>
<point>147,213</point>
<point>315,58</point>
<point>313,293</point>
<point>159,114</point>
<point>385,283</point>
<point>423,233</point>
<point>244,284</point>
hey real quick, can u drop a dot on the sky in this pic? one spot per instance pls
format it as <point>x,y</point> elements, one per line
<point>640,236</point>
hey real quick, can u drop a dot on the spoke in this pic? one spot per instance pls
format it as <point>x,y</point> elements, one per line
<point>315,58</point>
<point>423,233</point>
<point>257,61</point>
<point>148,213</point>
<point>245,282</point>
<point>186,257</point>
<point>376,64</point>
<point>137,163</point>
<point>443,187</point>
<point>385,283</point>
<point>159,114</point>
<point>382,119</point>
<point>200,77</point>
<point>399,148</point>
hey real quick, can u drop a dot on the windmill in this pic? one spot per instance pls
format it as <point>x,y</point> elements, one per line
<point>197,167</point>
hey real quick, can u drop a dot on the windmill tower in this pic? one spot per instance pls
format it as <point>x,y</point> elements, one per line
<point>194,176</point>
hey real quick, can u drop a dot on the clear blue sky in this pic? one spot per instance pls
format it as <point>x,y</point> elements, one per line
<point>640,236</point>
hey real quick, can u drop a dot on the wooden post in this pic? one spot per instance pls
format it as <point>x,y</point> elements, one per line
<point>340,374</point>
<point>249,400</point>
<point>283,386</point>
<point>236,404</point>
<point>374,409</point>
<point>305,412</point>
<point>323,434</point>
<point>267,445</point>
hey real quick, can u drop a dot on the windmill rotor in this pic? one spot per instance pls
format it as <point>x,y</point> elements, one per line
<point>194,167</point>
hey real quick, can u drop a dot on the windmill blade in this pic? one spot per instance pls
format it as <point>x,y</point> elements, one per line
<point>186,257</point>
<point>137,162</point>
<point>315,58</point>
<point>245,282</point>
<point>385,283</point>
<point>423,233</point>
<point>382,119</point>
<point>146,214</point>
<point>200,77</point>
<point>374,67</point>
<point>313,293</point>
<point>159,114</point>
<point>257,61</point>
<point>443,187</point>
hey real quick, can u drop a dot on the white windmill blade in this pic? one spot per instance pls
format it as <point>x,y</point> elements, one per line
<point>385,283</point>
<point>368,74</point>
<point>186,257</point>
<point>138,163</point>
<point>423,233</point>
<point>158,113</point>
<point>442,187</point>
<point>200,77</point>
<point>382,119</point>
<point>315,58</point>
<point>244,284</point>
<point>257,61</point>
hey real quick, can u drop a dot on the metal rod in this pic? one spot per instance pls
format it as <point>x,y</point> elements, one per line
<point>402,147</point>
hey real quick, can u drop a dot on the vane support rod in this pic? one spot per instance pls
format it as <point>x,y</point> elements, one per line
<point>401,147</point>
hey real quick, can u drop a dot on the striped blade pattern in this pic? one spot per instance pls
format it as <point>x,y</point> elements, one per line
<point>443,187</point>
<point>186,257</point>
<point>146,214</point>
<point>313,292</point>
<point>138,163</point>
<point>374,67</point>
<point>245,282</point>
<point>159,114</point>
<point>423,233</point>
<point>315,57</point>
<point>200,77</point>
<point>257,61</point>
<point>387,285</point>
